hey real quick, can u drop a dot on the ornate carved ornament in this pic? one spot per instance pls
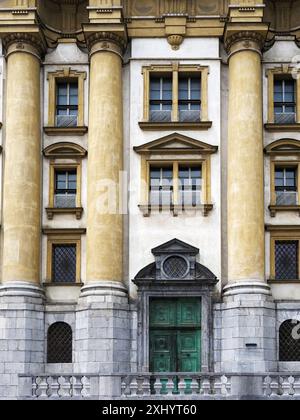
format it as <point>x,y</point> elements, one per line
<point>106,41</point>
<point>21,41</point>
<point>246,39</point>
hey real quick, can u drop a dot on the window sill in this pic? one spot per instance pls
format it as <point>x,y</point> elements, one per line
<point>65,131</point>
<point>275,208</point>
<point>172,125</point>
<point>51,211</point>
<point>52,284</point>
<point>282,127</point>
<point>274,281</point>
<point>147,209</point>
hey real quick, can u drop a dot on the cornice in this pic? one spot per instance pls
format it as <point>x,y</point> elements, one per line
<point>19,41</point>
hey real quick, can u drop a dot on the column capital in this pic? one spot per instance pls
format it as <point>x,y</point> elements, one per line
<point>24,42</point>
<point>106,41</point>
<point>244,40</point>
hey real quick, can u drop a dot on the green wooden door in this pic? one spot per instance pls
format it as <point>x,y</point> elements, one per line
<point>175,335</point>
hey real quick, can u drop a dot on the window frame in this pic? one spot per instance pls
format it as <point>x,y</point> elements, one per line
<point>66,75</point>
<point>63,237</point>
<point>285,234</point>
<point>282,72</point>
<point>175,70</point>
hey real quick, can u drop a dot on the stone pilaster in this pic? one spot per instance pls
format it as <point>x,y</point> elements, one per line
<point>21,299</point>
<point>247,322</point>
<point>103,330</point>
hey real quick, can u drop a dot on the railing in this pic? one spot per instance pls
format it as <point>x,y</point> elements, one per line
<point>148,386</point>
<point>175,385</point>
<point>282,386</point>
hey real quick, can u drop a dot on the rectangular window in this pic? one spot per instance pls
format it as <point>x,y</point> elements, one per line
<point>189,100</point>
<point>190,185</point>
<point>285,101</point>
<point>67,104</point>
<point>161,186</point>
<point>64,263</point>
<point>286,186</point>
<point>286,260</point>
<point>161,98</point>
<point>65,189</point>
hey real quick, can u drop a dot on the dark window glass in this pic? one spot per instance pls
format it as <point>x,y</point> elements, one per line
<point>189,93</point>
<point>64,263</point>
<point>161,98</point>
<point>286,260</point>
<point>67,104</point>
<point>285,101</point>
<point>65,189</point>
<point>286,186</point>
<point>289,341</point>
<point>190,183</point>
<point>161,186</point>
<point>59,343</point>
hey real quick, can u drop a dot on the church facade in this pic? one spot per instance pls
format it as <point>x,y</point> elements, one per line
<point>149,206</point>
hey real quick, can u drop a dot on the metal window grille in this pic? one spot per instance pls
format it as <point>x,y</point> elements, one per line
<point>67,104</point>
<point>286,260</point>
<point>175,267</point>
<point>59,343</point>
<point>289,341</point>
<point>64,264</point>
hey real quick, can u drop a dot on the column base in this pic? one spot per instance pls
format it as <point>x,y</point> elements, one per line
<point>102,342</point>
<point>247,331</point>
<point>22,335</point>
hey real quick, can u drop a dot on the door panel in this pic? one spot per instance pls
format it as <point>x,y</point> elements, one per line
<point>162,351</point>
<point>175,335</point>
<point>188,345</point>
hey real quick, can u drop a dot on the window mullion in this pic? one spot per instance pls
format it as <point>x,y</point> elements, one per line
<point>175,95</point>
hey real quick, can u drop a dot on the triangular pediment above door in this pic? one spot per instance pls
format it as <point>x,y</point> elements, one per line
<point>176,143</point>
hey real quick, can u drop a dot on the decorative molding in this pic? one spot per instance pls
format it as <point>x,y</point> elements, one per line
<point>15,42</point>
<point>51,211</point>
<point>48,231</point>
<point>106,41</point>
<point>64,150</point>
<point>282,127</point>
<point>176,125</point>
<point>175,41</point>
<point>246,39</point>
<point>65,131</point>
<point>283,147</point>
<point>184,144</point>
<point>275,208</point>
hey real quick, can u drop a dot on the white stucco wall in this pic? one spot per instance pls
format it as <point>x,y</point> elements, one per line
<point>199,231</point>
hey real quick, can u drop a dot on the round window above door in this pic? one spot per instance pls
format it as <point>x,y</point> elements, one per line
<point>175,267</point>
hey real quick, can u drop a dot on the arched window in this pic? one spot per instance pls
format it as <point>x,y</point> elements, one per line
<point>59,343</point>
<point>289,341</point>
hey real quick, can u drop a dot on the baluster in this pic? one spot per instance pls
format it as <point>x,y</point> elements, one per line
<point>206,387</point>
<point>53,387</point>
<point>65,387</point>
<point>146,386</point>
<point>218,386</point>
<point>170,386</point>
<point>287,386</point>
<point>181,386</point>
<point>274,387</point>
<point>297,386</point>
<point>43,388</point>
<point>267,386</point>
<point>226,385</point>
<point>134,387</point>
<point>195,386</point>
<point>124,386</point>
<point>85,387</point>
<point>157,386</point>
<point>34,386</point>
<point>76,387</point>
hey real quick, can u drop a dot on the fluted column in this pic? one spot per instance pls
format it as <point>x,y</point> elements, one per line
<point>105,162</point>
<point>22,170</point>
<point>246,255</point>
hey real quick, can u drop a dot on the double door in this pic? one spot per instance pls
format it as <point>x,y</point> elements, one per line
<point>175,335</point>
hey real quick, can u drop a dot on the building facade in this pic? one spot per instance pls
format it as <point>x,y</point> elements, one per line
<point>150,176</point>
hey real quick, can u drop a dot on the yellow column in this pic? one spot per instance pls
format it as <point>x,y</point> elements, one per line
<point>105,161</point>
<point>22,175</point>
<point>246,255</point>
